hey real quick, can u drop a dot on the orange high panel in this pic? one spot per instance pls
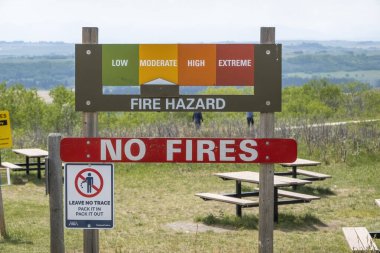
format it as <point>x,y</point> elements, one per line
<point>196,64</point>
<point>158,61</point>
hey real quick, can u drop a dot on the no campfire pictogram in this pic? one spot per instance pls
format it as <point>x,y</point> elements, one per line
<point>89,182</point>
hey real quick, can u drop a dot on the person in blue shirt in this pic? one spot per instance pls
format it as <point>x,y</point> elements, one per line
<point>250,120</point>
<point>198,119</point>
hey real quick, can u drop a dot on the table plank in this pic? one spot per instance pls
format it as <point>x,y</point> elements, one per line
<point>297,195</point>
<point>9,165</point>
<point>290,181</point>
<point>227,199</point>
<point>31,152</point>
<point>359,239</point>
<point>248,176</point>
<point>301,162</point>
<point>253,177</point>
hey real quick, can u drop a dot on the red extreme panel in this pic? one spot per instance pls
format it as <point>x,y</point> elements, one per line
<point>235,65</point>
<point>178,150</point>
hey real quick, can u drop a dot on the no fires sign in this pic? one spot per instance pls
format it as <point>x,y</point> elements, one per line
<point>89,196</point>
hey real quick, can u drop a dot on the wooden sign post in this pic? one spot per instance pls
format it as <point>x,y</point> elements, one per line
<point>266,198</point>
<point>90,129</point>
<point>54,188</point>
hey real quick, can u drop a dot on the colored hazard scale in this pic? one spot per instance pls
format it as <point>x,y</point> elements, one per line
<point>179,64</point>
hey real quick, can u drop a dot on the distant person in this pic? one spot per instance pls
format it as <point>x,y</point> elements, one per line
<point>198,119</point>
<point>250,120</point>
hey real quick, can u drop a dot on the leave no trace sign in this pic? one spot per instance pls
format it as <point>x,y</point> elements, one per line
<point>89,193</point>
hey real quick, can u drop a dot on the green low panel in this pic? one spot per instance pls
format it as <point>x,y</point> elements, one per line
<point>120,65</point>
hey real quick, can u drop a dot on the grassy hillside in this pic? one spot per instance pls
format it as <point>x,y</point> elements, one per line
<point>155,206</point>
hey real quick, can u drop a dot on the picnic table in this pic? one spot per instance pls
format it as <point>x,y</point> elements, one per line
<point>281,197</point>
<point>32,153</point>
<point>307,175</point>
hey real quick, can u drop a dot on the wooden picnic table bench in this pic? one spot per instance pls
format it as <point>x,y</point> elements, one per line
<point>228,199</point>
<point>9,166</point>
<point>359,239</point>
<point>281,197</point>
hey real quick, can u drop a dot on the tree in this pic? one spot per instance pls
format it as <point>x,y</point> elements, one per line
<point>61,116</point>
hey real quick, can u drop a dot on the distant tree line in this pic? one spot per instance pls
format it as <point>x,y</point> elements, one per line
<point>299,81</point>
<point>324,100</point>
<point>313,63</point>
<point>42,72</point>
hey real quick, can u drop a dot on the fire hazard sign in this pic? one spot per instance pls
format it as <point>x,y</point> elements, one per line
<point>89,194</point>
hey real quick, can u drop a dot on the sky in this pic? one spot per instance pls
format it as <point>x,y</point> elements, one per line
<point>189,21</point>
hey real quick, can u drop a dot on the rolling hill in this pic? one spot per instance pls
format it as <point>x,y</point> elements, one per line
<point>43,65</point>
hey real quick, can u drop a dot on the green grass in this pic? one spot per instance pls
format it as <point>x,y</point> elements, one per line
<point>149,196</point>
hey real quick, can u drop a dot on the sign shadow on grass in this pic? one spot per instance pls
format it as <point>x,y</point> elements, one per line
<point>303,222</point>
<point>18,179</point>
<point>316,191</point>
<point>250,221</point>
<point>8,239</point>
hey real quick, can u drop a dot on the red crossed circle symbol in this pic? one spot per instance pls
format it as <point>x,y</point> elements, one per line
<point>80,176</point>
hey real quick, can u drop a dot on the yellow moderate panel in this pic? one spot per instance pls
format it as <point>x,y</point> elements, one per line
<point>158,62</point>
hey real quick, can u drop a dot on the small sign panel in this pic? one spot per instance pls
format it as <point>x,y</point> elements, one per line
<point>89,192</point>
<point>5,130</point>
<point>179,150</point>
<point>120,65</point>
<point>235,65</point>
<point>197,64</point>
<point>158,61</point>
